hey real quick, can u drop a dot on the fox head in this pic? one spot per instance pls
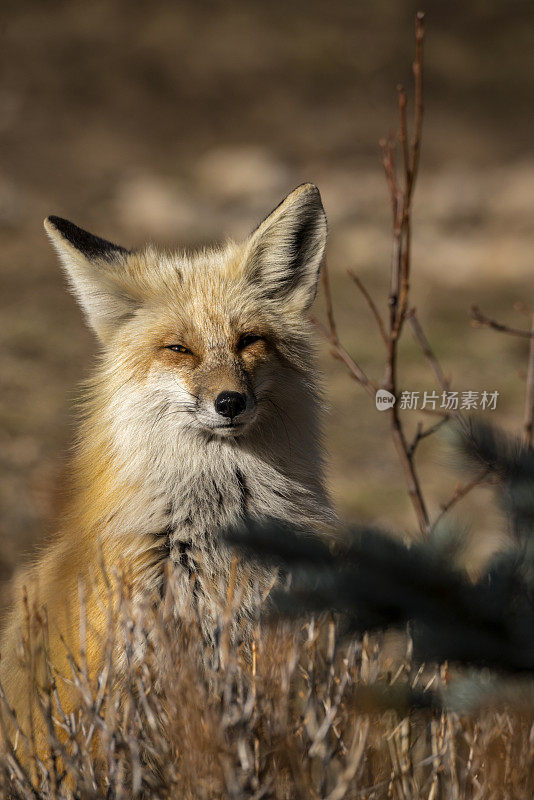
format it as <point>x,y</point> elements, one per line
<point>205,338</point>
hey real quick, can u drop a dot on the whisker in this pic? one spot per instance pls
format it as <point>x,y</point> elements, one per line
<point>295,424</point>
<point>191,394</point>
<point>159,416</point>
<point>168,411</point>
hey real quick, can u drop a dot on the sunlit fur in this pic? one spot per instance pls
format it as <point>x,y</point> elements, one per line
<point>154,475</point>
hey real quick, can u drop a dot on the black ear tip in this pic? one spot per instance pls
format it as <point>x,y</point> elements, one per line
<point>63,226</point>
<point>89,245</point>
<point>60,225</point>
<point>51,222</point>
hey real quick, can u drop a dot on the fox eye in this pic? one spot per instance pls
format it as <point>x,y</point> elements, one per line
<point>179,348</point>
<point>248,338</point>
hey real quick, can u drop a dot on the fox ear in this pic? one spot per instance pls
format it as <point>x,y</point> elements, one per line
<point>93,268</point>
<point>285,252</point>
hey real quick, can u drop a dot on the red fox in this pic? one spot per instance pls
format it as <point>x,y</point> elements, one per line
<point>203,410</point>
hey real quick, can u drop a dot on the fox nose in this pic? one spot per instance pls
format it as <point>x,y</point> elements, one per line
<point>230,404</point>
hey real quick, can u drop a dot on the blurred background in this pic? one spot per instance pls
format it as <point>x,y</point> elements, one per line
<point>185,122</point>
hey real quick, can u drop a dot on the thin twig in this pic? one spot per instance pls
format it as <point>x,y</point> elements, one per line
<point>355,370</point>
<point>529,393</point>
<point>325,278</point>
<point>418,114</point>
<point>371,304</point>
<point>486,322</point>
<point>403,134</point>
<point>411,162</point>
<point>388,162</point>
<point>396,264</point>
<point>459,493</point>
<point>482,320</point>
<point>405,224</point>
<point>420,337</point>
<point>414,485</point>
<point>422,433</point>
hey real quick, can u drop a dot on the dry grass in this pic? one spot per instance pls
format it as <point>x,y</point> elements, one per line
<point>295,715</point>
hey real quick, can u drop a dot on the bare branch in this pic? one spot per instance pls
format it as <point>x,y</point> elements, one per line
<point>371,304</point>
<point>415,150</point>
<point>459,493</point>
<point>388,162</point>
<point>338,351</point>
<point>396,264</point>
<point>401,194</point>
<point>404,262</point>
<point>400,277</point>
<point>481,320</point>
<point>486,322</point>
<point>325,278</point>
<point>427,350</point>
<point>529,394</point>
<point>406,458</point>
<point>403,133</point>
<point>422,433</point>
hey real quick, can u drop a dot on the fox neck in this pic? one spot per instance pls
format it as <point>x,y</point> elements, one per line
<point>150,486</point>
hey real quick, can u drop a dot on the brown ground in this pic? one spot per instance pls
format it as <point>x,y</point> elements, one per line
<point>184,122</point>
